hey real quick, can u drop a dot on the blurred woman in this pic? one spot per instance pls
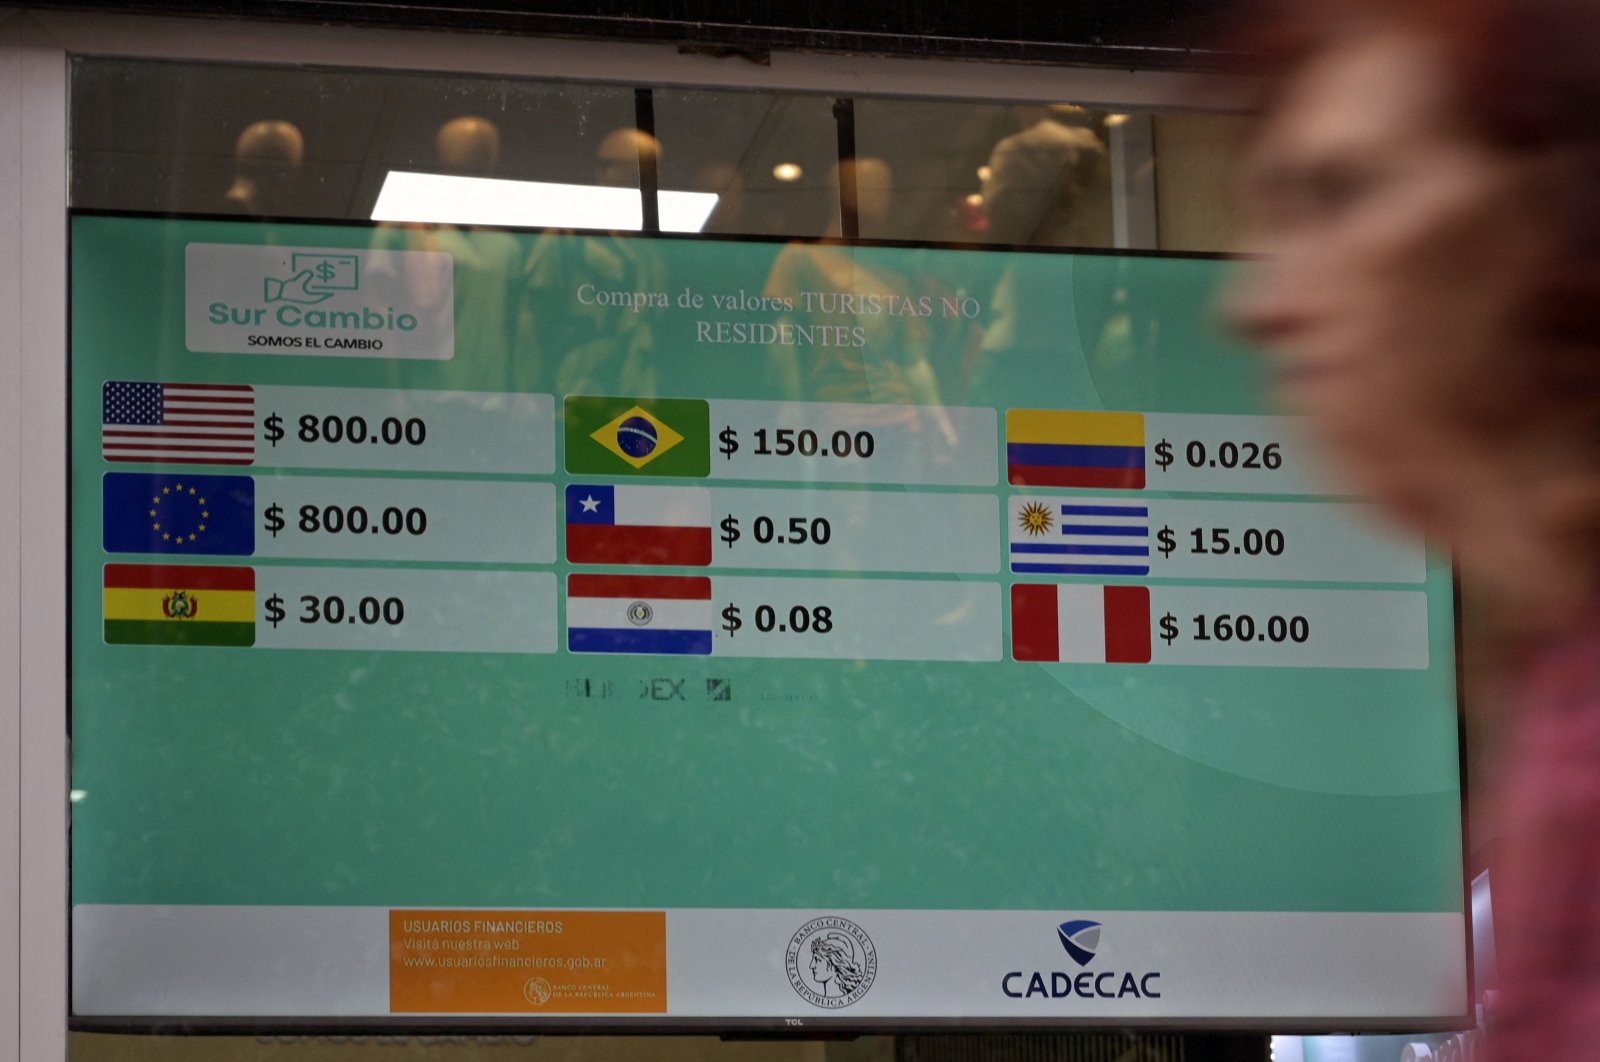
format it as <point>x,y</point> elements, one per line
<point>1425,189</point>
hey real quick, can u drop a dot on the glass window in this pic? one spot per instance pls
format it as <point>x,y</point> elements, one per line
<point>197,138</point>
<point>772,160</point>
<point>453,151</point>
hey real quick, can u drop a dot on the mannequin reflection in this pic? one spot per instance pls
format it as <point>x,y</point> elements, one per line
<point>876,358</point>
<point>594,348</point>
<point>468,145</point>
<point>267,159</point>
<point>618,159</point>
<point>1050,184</point>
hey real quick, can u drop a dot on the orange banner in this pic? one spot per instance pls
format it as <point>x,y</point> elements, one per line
<point>550,962</point>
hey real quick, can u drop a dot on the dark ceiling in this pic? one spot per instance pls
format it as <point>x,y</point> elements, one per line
<point>1150,34</point>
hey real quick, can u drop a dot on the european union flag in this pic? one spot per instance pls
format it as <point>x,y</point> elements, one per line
<point>200,515</point>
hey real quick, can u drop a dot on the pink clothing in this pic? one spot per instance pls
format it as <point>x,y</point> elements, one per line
<point>1546,877</point>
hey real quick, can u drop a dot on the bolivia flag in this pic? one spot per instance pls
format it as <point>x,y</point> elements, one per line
<point>639,614</point>
<point>1073,448</point>
<point>638,525</point>
<point>179,604</point>
<point>609,436</point>
<point>1075,624</point>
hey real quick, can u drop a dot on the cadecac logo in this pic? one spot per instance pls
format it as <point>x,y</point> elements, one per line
<point>1080,939</point>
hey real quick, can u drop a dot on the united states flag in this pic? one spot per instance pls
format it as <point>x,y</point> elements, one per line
<point>192,424</point>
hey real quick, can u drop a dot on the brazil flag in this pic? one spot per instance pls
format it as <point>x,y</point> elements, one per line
<point>614,436</point>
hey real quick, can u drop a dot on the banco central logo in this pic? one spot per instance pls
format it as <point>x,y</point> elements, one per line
<point>831,962</point>
<point>1080,937</point>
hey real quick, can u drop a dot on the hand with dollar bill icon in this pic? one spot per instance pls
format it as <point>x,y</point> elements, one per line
<point>296,289</point>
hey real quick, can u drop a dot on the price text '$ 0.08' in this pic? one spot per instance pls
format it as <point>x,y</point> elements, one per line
<point>799,619</point>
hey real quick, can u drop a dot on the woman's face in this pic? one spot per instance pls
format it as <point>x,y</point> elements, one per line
<point>821,968</point>
<point>1399,250</point>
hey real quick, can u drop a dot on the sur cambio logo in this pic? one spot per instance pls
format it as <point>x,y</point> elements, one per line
<point>1080,939</point>
<point>244,299</point>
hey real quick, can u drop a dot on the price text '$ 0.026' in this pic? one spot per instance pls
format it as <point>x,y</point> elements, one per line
<point>802,442</point>
<point>1246,455</point>
<point>332,608</point>
<point>390,431</point>
<point>799,619</point>
<point>351,519</point>
<point>1239,627</point>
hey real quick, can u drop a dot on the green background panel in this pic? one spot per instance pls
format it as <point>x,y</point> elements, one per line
<point>248,776</point>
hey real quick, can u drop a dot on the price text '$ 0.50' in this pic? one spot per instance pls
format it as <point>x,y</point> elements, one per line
<point>390,431</point>
<point>803,442</point>
<point>331,608</point>
<point>766,530</point>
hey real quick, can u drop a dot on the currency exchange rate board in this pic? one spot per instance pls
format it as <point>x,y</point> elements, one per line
<point>553,628</point>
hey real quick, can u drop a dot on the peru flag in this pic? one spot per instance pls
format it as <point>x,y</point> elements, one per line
<point>638,525</point>
<point>1074,624</point>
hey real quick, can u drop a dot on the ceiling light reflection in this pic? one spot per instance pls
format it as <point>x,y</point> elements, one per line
<point>442,199</point>
<point>787,171</point>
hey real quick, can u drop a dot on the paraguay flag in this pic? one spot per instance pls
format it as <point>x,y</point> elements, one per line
<point>651,614</point>
<point>1075,448</point>
<point>638,525</point>
<point>1076,624</point>
<point>1079,536</point>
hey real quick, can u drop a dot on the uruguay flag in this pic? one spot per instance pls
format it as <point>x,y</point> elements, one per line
<point>638,525</point>
<point>650,614</point>
<point>1079,536</point>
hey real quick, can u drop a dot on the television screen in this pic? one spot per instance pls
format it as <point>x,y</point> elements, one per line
<point>551,629</point>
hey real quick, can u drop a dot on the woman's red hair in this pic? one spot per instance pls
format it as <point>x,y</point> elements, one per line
<point>1526,77</point>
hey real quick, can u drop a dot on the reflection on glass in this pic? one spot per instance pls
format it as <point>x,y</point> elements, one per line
<point>430,197</point>
<point>286,142</point>
<point>772,160</point>
<point>1050,183</point>
<point>989,172</point>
